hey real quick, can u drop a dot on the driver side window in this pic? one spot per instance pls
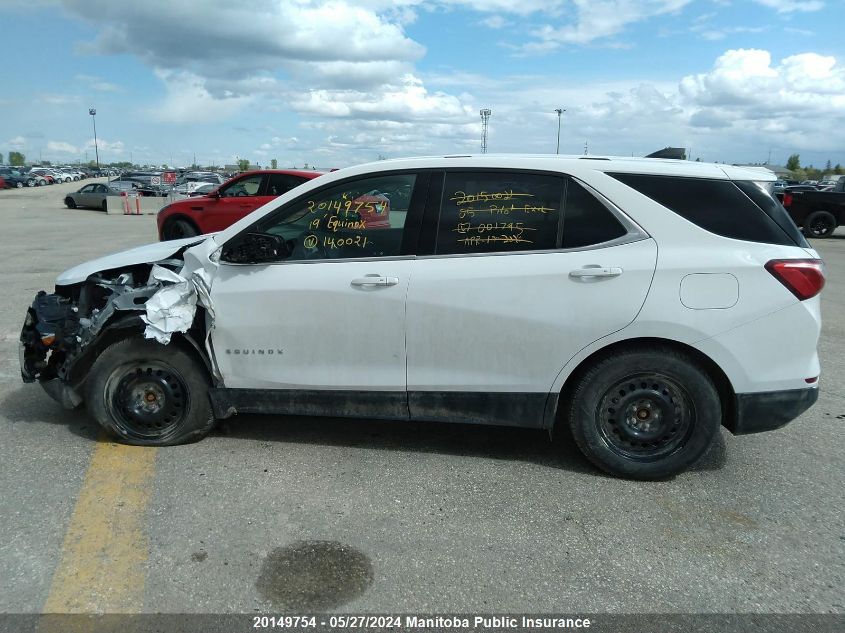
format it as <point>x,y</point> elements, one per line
<point>360,218</point>
<point>244,187</point>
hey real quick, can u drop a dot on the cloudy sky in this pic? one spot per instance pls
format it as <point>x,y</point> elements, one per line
<point>343,82</point>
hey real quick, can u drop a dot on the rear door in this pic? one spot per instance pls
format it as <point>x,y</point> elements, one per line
<point>518,271</point>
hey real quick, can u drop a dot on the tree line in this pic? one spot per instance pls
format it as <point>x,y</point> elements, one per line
<point>793,164</point>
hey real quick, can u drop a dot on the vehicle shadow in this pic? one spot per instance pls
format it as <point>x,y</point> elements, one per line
<point>493,442</point>
<point>29,404</point>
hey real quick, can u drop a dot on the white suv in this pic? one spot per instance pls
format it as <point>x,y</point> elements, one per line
<point>638,303</point>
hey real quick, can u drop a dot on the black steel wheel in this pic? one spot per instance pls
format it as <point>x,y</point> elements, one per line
<point>644,413</point>
<point>145,393</point>
<point>646,416</point>
<point>820,224</point>
<point>147,400</point>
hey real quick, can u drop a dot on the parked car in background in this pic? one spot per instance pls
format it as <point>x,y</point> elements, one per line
<point>44,174</point>
<point>91,196</point>
<point>818,212</point>
<point>188,188</point>
<point>228,203</point>
<point>204,189</point>
<point>792,189</point>
<point>14,178</point>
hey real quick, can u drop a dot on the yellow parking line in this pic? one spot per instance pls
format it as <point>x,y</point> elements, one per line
<point>104,554</point>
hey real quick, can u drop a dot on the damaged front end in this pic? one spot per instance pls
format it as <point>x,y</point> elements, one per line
<point>64,332</point>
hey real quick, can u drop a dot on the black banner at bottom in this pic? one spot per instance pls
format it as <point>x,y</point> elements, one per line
<point>419,623</point>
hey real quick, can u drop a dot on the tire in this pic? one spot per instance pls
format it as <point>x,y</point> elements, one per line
<point>673,413</point>
<point>820,224</point>
<point>105,207</point>
<point>42,183</point>
<point>19,184</point>
<point>148,394</point>
<point>30,182</point>
<point>70,203</point>
<point>178,229</point>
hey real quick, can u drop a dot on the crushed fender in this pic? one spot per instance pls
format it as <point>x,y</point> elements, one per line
<point>172,308</point>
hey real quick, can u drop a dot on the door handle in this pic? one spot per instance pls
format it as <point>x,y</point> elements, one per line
<point>375,280</point>
<point>596,271</point>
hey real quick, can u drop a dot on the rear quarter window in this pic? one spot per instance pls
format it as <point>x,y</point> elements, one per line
<point>718,206</point>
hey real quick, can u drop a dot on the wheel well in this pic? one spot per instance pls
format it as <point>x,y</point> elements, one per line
<point>727,396</point>
<point>131,326</point>
<point>177,217</point>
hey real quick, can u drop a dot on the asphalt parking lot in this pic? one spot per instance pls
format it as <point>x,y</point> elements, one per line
<point>272,514</point>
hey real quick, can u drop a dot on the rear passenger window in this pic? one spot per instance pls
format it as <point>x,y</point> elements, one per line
<point>718,206</point>
<point>488,212</point>
<point>586,219</point>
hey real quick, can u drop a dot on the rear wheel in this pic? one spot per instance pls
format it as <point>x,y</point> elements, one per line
<point>19,184</point>
<point>104,206</point>
<point>70,203</point>
<point>645,414</point>
<point>820,224</point>
<point>178,229</point>
<point>145,393</point>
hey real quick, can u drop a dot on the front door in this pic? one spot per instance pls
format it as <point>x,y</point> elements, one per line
<point>329,316</point>
<point>235,200</point>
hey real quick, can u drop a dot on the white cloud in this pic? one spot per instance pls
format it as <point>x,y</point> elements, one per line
<point>494,22</point>
<point>61,99</point>
<point>792,6</point>
<point>18,142</point>
<point>61,147</point>
<point>600,19</point>
<point>404,101</point>
<point>189,101</point>
<point>99,84</point>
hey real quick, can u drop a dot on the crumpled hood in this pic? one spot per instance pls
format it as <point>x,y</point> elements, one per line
<point>146,254</point>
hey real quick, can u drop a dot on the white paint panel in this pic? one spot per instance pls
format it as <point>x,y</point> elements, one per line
<point>709,291</point>
<point>331,334</point>
<point>510,322</point>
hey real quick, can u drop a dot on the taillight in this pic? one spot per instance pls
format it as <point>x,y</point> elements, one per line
<point>802,277</point>
<point>787,199</point>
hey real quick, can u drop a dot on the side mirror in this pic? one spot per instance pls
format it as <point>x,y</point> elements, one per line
<point>255,248</point>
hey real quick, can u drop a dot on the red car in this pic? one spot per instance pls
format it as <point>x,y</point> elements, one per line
<point>228,203</point>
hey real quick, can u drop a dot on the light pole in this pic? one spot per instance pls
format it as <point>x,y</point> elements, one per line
<point>93,114</point>
<point>559,112</point>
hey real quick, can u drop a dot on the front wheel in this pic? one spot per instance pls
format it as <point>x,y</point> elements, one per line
<point>148,394</point>
<point>645,414</point>
<point>19,184</point>
<point>180,229</point>
<point>820,224</point>
<point>69,202</point>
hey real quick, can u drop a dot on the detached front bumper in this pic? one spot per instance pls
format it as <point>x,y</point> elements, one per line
<point>770,410</point>
<point>46,341</point>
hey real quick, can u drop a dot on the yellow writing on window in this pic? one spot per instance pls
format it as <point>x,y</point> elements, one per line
<point>476,240</point>
<point>462,197</point>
